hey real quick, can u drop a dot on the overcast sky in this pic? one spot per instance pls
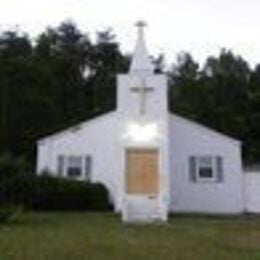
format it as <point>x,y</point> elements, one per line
<point>201,27</point>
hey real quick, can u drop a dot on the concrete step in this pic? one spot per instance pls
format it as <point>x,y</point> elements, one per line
<point>142,209</point>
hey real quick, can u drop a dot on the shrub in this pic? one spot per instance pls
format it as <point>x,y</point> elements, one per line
<point>59,194</point>
<point>9,212</point>
<point>45,192</point>
<point>12,185</point>
<point>62,194</point>
<point>17,189</point>
<point>97,197</point>
<point>4,214</point>
<point>9,165</point>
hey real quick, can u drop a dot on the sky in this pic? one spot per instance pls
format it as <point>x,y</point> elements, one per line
<point>201,27</point>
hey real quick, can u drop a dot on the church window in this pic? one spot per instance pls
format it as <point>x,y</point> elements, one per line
<point>74,166</point>
<point>206,168</point>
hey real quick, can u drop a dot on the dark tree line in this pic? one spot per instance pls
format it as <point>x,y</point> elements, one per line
<point>63,77</point>
<point>58,80</point>
<point>223,94</point>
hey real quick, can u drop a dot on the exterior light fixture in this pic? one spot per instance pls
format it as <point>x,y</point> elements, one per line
<point>145,132</point>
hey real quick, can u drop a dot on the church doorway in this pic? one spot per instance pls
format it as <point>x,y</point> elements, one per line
<point>142,171</point>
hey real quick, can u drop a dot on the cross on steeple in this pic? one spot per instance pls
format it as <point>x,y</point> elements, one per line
<point>140,25</point>
<point>141,62</point>
<point>143,90</point>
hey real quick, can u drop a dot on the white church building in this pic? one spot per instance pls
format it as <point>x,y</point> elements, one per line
<point>152,162</point>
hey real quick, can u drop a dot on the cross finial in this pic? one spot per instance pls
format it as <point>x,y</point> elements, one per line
<point>141,25</point>
<point>141,61</point>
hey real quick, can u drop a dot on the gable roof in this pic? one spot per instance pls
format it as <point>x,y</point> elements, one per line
<point>206,129</point>
<point>252,168</point>
<point>199,126</point>
<point>77,126</point>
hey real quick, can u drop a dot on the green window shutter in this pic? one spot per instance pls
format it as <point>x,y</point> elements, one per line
<point>192,168</point>
<point>60,166</point>
<point>88,167</point>
<point>219,168</point>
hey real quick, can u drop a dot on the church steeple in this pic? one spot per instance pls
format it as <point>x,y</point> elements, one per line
<point>141,61</point>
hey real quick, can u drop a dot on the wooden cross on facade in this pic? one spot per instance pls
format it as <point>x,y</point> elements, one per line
<point>142,91</point>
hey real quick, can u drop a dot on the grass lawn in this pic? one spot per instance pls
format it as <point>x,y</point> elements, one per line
<point>55,236</point>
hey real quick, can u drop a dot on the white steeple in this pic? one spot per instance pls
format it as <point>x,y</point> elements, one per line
<point>141,61</point>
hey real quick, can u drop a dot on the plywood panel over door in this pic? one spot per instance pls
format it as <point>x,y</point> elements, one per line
<point>142,176</point>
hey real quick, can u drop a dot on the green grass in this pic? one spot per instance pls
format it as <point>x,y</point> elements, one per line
<point>54,236</point>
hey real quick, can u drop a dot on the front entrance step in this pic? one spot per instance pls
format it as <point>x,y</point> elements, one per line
<point>143,208</point>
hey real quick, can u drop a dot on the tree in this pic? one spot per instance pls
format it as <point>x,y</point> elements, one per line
<point>15,77</point>
<point>184,86</point>
<point>217,95</point>
<point>61,80</point>
<point>64,78</point>
<point>227,78</point>
<point>253,138</point>
<point>159,63</point>
<point>106,61</point>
